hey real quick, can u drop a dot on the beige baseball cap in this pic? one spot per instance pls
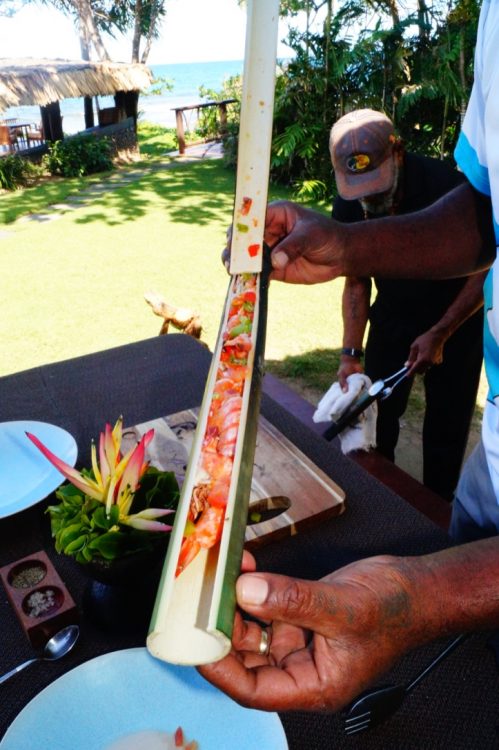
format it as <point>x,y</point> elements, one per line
<point>361,151</point>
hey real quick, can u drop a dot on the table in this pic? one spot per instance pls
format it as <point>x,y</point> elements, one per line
<point>456,706</point>
<point>19,132</point>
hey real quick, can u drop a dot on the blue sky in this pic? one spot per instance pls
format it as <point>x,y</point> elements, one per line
<point>194,31</point>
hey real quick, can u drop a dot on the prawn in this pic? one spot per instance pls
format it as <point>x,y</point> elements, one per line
<point>205,534</point>
<point>210,495</point>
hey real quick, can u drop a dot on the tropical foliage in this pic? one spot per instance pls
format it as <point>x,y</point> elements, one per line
<point>414,61</point>
<point>209,125</point>
<point>16,172</point>
<point>79,155</point>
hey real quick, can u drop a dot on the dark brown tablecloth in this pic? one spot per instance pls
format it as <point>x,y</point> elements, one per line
<point>456,707</point>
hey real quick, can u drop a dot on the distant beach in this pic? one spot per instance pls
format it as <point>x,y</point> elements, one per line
<point>186,79</point>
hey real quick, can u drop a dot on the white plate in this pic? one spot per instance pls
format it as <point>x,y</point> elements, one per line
<point>26,475</point>
<point>129,691</point>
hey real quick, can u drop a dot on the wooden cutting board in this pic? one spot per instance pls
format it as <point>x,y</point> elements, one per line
<point>288,492</point>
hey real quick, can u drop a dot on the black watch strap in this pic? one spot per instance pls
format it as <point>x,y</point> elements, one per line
<point>350,352</point>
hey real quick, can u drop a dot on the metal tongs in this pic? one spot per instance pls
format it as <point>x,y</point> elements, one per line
<point>378,391</point>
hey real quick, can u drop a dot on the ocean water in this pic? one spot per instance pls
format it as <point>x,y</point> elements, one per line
<point>186,78</point>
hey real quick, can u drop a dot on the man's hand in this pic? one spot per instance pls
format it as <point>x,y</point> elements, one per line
<point>305,244</point>
<point>348,366</point>
<point>329,639</point>
<point>426,351</point>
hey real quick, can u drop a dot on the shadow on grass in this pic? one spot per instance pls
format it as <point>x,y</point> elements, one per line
<point>189,192</point>
<point>118,203</point>
<point>38,198</point>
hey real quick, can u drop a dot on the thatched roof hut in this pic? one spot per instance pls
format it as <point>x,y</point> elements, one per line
<point>31,81</point>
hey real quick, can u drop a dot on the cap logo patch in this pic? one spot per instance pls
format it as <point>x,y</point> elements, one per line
<point>358,162</point>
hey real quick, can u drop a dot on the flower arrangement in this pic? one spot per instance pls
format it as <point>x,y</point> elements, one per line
<point>112,510</point>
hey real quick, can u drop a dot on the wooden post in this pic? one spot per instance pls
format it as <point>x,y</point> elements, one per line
<point>222,109</point>
<point>45,123</point>
<point>88,112</point>
<point>127,104</point>
<point>52,122</point>
<point>180,131</point>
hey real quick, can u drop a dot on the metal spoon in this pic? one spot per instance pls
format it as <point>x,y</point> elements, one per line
<point>59,645</point>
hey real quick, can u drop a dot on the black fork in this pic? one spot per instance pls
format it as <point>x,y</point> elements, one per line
<point>373,707</point>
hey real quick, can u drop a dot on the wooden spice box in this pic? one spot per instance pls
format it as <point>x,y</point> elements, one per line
<point>40,599</point>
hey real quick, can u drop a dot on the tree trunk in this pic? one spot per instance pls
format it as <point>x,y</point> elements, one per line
<point>89,28</point>
<point>422,21</point>
<point>87,100</point>
<point>137,32</point>
<point>394,12</point>
<point>150,33</point>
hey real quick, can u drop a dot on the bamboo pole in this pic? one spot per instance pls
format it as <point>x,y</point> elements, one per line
<point>255,137</point>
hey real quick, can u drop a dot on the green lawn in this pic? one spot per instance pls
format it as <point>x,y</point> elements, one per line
<point>76,284</point>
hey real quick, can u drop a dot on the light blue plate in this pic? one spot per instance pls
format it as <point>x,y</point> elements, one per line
<point>26,475</point>
<point>130,691</point>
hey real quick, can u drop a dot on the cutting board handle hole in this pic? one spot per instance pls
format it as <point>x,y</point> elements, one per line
<point>267,508</point>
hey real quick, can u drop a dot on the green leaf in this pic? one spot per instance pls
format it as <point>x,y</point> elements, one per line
<point>99,519</point>
<point>114,515</point>
<point>76,545</point>
<point>68,535</point>
<point>158,489</point>
<point>110,545</point>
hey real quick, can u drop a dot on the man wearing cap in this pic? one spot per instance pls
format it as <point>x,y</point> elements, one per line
<point>433,326</point>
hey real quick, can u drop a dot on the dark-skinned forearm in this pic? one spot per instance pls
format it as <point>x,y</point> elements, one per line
<point>467,302</point>
<point>355,311</point>
<point>456,590</point>
<point>453,237</point>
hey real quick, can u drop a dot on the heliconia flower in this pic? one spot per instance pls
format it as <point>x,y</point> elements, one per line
<point>84,484</point>
<point>116,477</point>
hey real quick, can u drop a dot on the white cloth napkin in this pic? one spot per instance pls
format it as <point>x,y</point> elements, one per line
<point>361,435</point>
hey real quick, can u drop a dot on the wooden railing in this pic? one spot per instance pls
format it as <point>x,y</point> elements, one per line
<point>179,118</point>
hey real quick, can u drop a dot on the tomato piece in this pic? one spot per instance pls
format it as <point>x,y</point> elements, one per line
<point>179,737</point>
<point>242,342</point>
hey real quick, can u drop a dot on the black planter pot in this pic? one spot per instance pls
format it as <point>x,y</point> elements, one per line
<point>119,595</point>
